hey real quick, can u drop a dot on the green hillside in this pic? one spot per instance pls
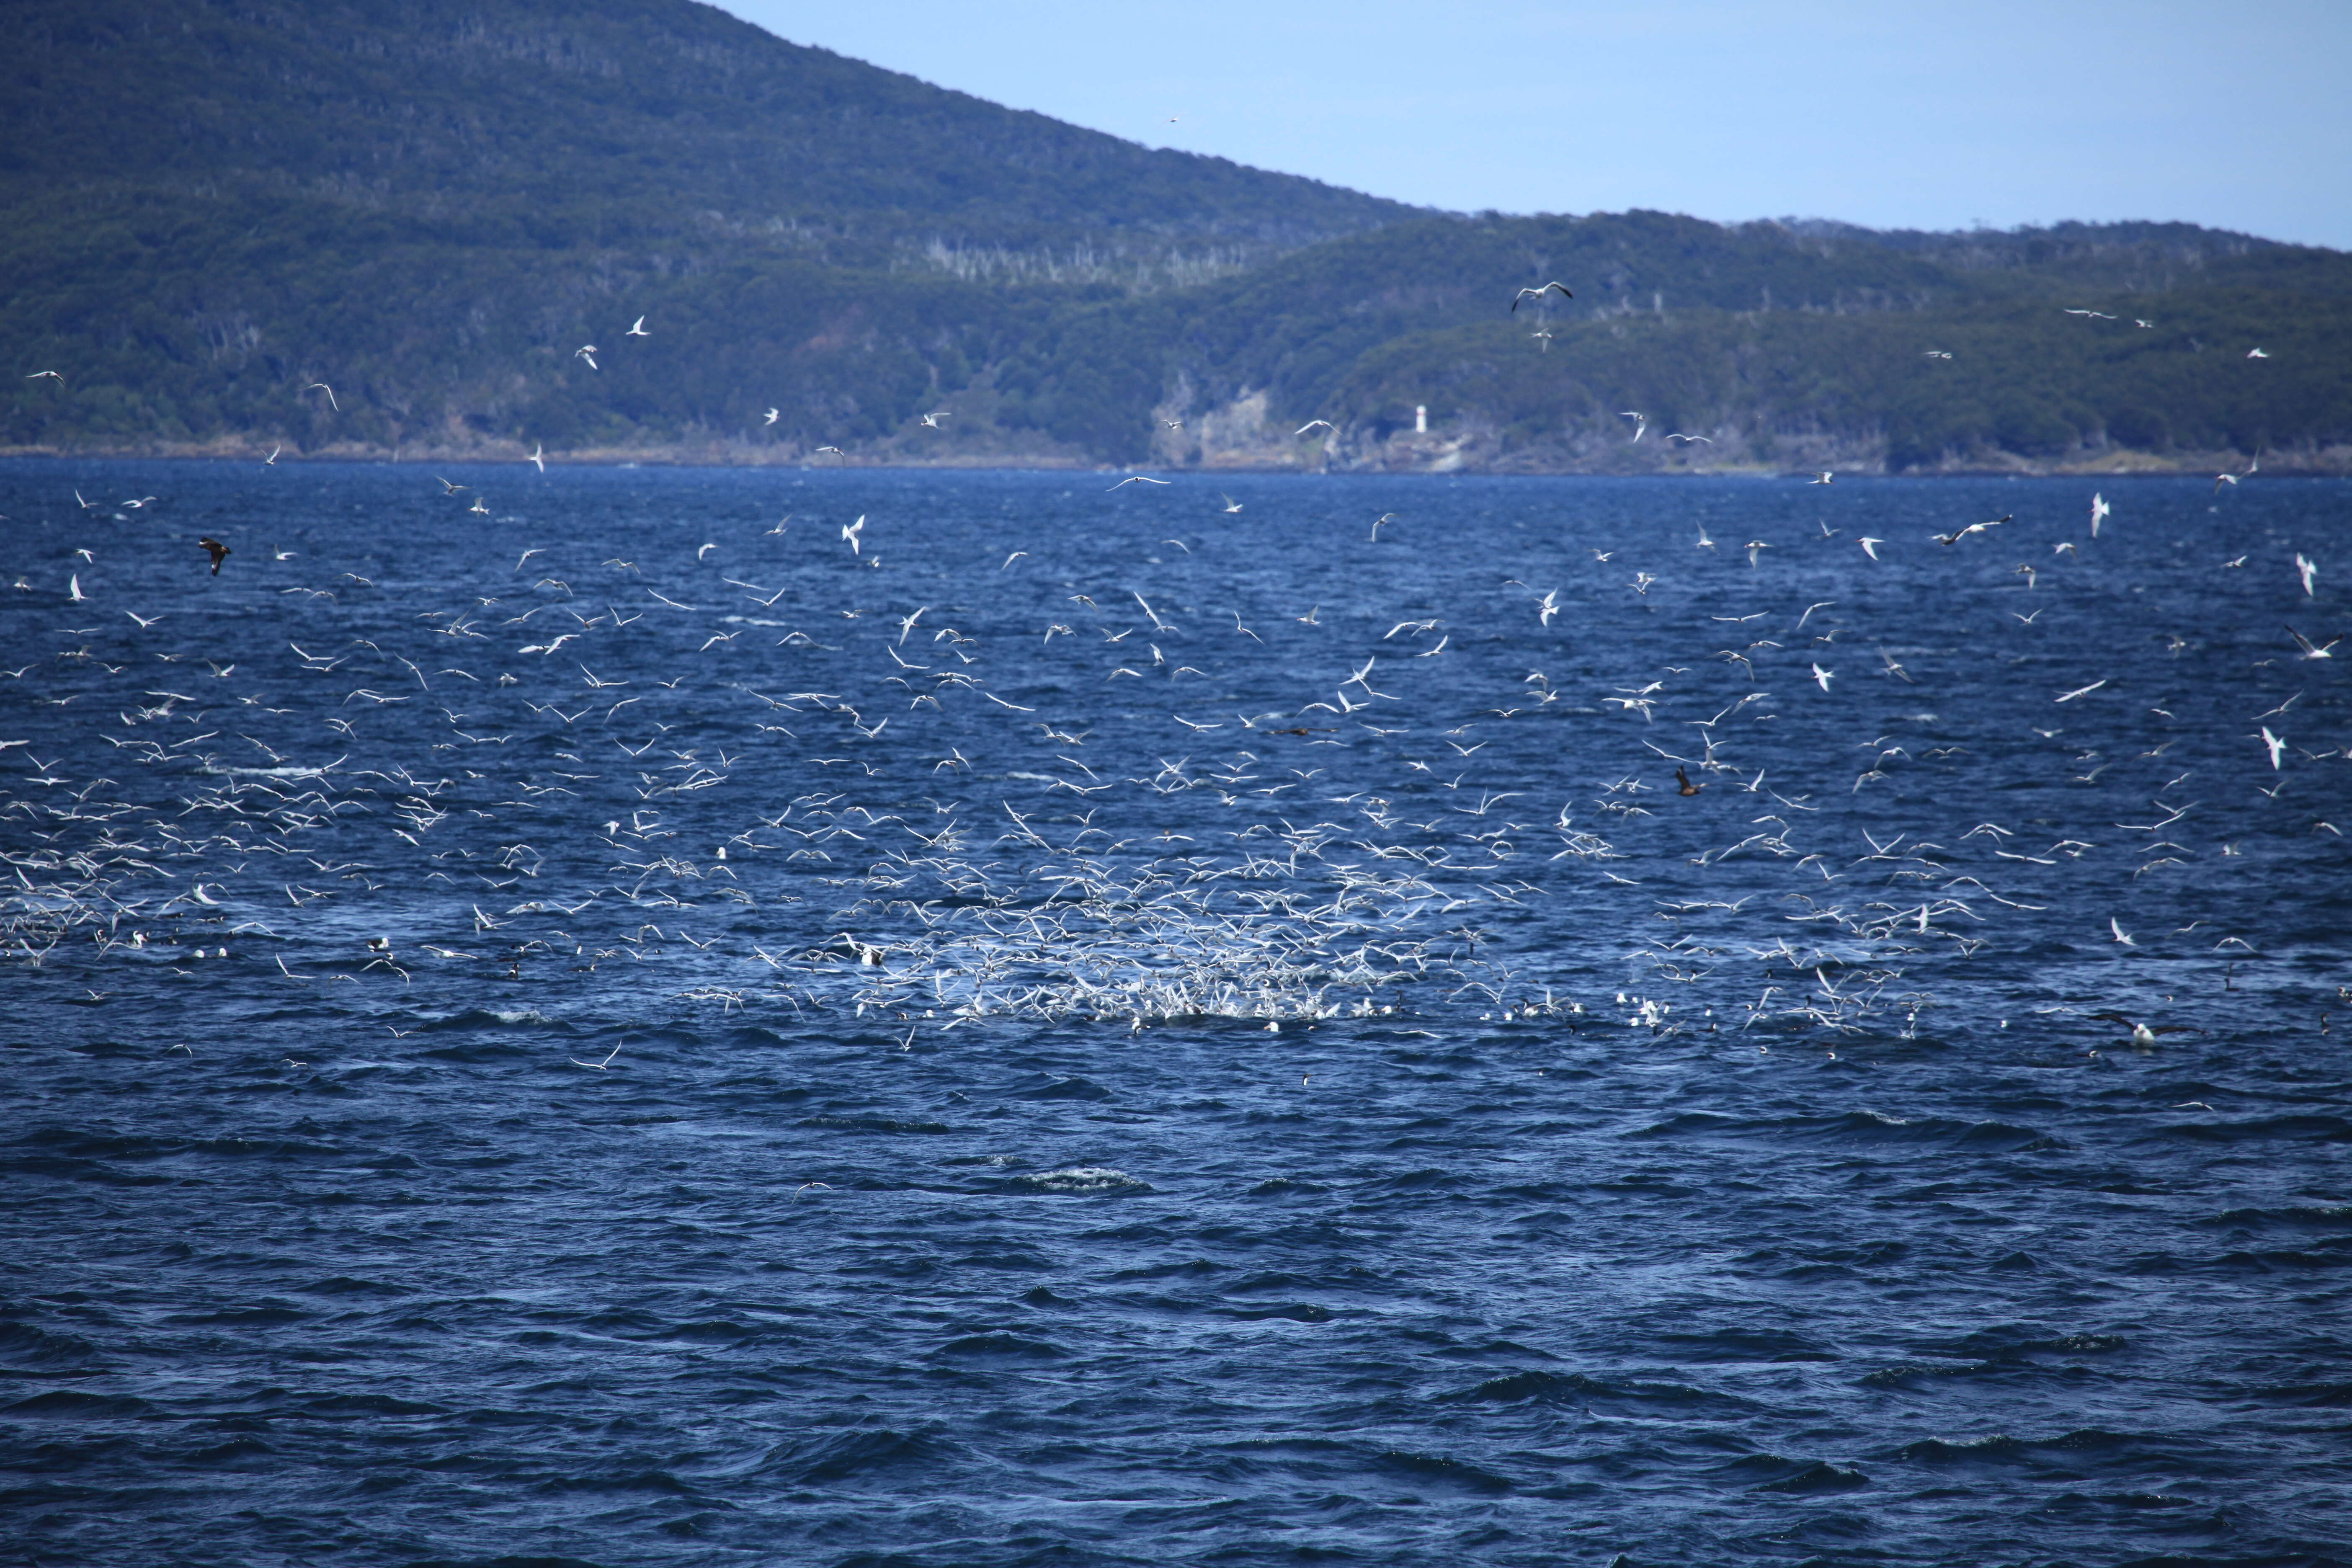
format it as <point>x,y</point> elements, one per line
<point>430,207</point>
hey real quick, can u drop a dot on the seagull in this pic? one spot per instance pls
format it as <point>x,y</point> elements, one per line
<point>539,457</point>
<point>586,352</point>
<point>2144,1037</point>
<point>931,421</point>
<point>220,551</point>
<point>1231,505</point>
<point>1136,479</point>
<point>1539,293</point>
<point>1958,534</point>
<point>773,415</point>
<point>2311,649</point>
<point>322,386</point>
<point>639,330</point>
<point>2276,745</point>
<point>2307,569</point>
<point>1312,423</point>
<point>1870,546</point>
<point>1822,675</point>
<point>2099,509</point>
<point>2256,354</point>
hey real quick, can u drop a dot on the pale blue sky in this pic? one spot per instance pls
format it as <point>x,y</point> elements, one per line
<point>1926,116</point>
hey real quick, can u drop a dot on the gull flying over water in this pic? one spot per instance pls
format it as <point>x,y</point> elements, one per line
<point>1958,534</point>
<point>2311,649</point>
<point>2144,1036</point>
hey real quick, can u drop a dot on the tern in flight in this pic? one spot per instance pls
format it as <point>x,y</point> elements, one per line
<point>1870,546</point>
<point>539,457</point>
<point>834,451</point>
<point>1136,479</point>
<point>50,375</point>
<point>931,421</point>
<point>2095,315</point>
<point>1937,353</point>
<point>586,352</point>
<point>322,386</point>
<point>2099,509</point>
<point>639,330</point>
<point>1312,423</point>
<point>2256,354</point>
<point>271,461</point>
<point>851,533</point>
<point>1230,504</point>
<point>2276,745</point>
<point>773,415</point>
<point>1822,677</point>
<point>2307,569</point>
<point>1523,294</point>
<point>1678,436</point>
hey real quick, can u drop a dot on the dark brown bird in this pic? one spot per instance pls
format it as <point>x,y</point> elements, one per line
<point>1684,779</point>
<point>220,551</point>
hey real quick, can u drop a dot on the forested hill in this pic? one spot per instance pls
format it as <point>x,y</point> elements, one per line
<point>213,205</point>
<point>563,123</point>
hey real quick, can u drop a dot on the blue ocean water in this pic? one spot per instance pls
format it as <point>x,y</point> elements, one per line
<point>1085,1026</point>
